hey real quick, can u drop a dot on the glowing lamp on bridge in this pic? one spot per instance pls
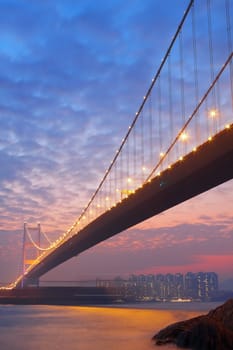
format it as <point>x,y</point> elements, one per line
<point>213,113</point>
<point>184,136</point>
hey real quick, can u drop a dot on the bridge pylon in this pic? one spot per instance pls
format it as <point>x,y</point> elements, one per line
<point>31,245</point>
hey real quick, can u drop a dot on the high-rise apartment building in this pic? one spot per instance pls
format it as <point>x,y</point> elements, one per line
<point>194,286</point>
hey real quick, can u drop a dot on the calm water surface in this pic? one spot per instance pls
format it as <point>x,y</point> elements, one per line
<point>127,327</point>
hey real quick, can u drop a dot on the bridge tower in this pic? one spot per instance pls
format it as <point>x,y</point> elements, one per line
<point>31,245</point>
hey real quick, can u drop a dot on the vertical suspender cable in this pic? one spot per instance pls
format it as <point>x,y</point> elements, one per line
<point>195,73</point>
<point>171,125</point>
<point>115,184</point>
<point>127,163</point>
<point>229,39</point>
<point>211,56</point>
<point>134,154</point>
<point>121,174</point>
<point>160,117</point>
<point>150,130</point>
<point>183,151</point>
<point>182,77</point>
<point>142,145</point>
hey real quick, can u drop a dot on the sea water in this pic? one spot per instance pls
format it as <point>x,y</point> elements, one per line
<point>126,327</point>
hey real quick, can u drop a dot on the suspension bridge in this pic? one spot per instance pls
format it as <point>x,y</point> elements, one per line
<point>179,144</point>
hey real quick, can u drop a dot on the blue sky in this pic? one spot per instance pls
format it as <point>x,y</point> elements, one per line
<point>73,74</point>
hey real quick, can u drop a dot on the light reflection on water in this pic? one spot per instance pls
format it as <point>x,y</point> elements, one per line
<point>84,328</point>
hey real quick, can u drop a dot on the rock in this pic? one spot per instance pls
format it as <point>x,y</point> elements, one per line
<point>213,331</point>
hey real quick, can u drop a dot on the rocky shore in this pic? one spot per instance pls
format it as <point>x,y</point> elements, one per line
<point>213,331</point>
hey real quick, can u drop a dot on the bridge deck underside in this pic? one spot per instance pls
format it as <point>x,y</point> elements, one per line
<point>209,166</point>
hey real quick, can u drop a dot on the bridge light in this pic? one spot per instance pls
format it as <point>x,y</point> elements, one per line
<point>210,138</point>
<point>184,136</point>
<point>161,154</point>
<point>181,158</point>
<point>129,180</point>
<point>213,113</point>
<point>194,149</point>
<point>227,126</point>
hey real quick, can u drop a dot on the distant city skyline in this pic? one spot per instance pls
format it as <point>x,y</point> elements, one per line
<point>190,286</point>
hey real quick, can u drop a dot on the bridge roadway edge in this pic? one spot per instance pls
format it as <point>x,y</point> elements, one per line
<point>209,166</point>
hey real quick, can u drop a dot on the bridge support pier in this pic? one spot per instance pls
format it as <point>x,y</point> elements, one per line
<point>30,254</point>
<point>30,282</point>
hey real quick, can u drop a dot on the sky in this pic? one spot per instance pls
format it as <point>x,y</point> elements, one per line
<point>72,75</point>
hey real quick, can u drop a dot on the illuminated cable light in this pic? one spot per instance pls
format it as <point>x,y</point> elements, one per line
<point>144,169</point>
<point>184,136</point>
<point>210,138</point>
<point>194,149</point>
<point>227,126</point>
<point>161,154</point>
<point>213,113</point>
<point>181,158</point>
<point>129,180</point>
